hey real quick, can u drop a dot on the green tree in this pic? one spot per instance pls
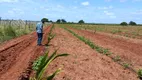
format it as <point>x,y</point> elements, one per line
<point>63,21</point>
<point>132,23</point>
<point>58,21</point>
<point>81,22</point>
<point>124,24</point>
<point>50,21</point>
<point>44,19</point>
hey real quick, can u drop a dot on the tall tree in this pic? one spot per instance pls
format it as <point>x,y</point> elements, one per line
<point>63,20</point>
<point>124,24</point>
<point>81,22</point>
<point>44,19</point>
<point>58,21</point>
<point>132,23</point>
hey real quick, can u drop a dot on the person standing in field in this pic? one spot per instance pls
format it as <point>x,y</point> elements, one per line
<point>39,30</point>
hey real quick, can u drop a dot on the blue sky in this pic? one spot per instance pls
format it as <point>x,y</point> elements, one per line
<point>98,11</point>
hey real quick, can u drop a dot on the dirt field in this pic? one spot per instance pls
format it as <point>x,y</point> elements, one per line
<point>83,63</point>
<point>16,55</point>
<point>128,49</point>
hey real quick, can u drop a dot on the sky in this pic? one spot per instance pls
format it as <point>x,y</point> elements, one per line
<point>91,11</point>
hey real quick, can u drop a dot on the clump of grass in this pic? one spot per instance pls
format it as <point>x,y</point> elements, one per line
<point>140,73</point>
<point>9,31</point>
<point>126,65</point>
<point>116,31</point>
<point>42,63</point>
<point>1,35</point>
<point>117,58</point>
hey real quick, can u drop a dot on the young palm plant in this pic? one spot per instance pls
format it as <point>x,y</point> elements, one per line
<point>50,37</point>
<point>42,63</point>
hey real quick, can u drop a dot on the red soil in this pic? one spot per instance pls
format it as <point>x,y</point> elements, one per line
<point>16,55</point>
<point>130,50</point>
<point>84,63</point>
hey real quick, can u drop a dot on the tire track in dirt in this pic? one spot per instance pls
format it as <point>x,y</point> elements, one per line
<point>83,63</point>
<point>15,59</point>
<point>129,51</point>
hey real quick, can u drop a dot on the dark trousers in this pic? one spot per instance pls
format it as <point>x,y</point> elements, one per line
<point>39,40</point>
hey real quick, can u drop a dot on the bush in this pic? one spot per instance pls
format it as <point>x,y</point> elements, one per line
<point>132,23</point>
<point>126,65</point>
<point>9,33</point>
<point>123,24</point>
<point>58,21</point>
<point>81,22</point>
<point>45,20</point>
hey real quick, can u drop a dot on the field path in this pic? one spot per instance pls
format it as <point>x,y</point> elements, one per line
<point>130,50</point>
<point>83,63</point>
<point>16,54</point>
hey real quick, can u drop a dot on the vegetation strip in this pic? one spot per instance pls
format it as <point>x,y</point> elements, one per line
<point>105,52</point>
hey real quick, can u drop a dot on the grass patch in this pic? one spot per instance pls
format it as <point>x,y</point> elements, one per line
<point>117,58</point>
<point>126,65</point>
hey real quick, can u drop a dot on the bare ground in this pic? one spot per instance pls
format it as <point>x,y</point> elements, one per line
<point>84,63</point>
<point>130,50</point>
<point>16,55</point>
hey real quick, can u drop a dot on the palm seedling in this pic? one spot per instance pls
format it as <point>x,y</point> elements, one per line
<point>42,63</point>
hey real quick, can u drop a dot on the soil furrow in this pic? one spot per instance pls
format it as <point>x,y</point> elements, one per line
<point>84,63</point>
<point>128,51</point>
<point>18,57</point>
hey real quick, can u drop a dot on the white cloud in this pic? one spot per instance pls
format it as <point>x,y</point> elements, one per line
<point>108,0</point>
<point>110,14</point>
<point>138,12</point>
<point>85,3</point>
<point>123,0</point>
<point>8,1</point>
<point>120,0</point>
<point>60,6</point>
<point>109,7</point>
<point>137,0</point>
<point>15,11</point>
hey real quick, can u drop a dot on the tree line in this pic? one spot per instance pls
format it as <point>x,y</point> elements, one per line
<point>132,23</point>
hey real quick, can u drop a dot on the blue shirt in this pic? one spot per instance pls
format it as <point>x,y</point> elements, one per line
<point>39,27</point>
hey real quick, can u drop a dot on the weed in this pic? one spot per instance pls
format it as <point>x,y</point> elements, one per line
<point>126,65</point>
<point>117,58</point>
<point>140,73</point>
<point>116,31</point>
<point>9,31</point>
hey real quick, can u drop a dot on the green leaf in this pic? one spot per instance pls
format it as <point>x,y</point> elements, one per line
<point>53,75</point>
<point>60,55</point>
<point>48,61</point>
<point>43,62</point>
